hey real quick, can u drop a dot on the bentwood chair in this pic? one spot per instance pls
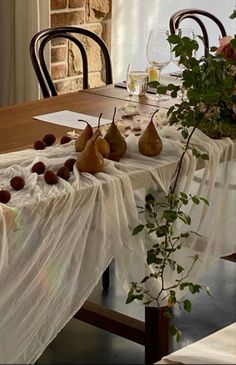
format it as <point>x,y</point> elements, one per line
<point>179,16</point>
<point>43,38</point>
<point>37,53</point>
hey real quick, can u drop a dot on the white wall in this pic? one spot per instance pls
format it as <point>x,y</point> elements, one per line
<point>132,21</point>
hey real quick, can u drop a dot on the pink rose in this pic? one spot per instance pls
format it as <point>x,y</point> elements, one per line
<point>226,49</point>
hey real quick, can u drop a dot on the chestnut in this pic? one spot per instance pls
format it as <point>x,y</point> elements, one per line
<point>17,182</point>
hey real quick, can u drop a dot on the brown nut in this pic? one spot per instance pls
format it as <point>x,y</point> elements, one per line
<point>50,177</point>
<point>65,139</point>
<point>17,182</point>
<point>39,145</point>
<point>49,139</point>
<point>38,167</point>
<point>70,163</point>
<point>5,196</point>
<point>63,172</point>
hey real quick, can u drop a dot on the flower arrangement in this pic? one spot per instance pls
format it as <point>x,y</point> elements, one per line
<point>209,84</point>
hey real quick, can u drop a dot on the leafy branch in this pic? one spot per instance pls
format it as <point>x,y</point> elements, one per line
<point>203,104</point>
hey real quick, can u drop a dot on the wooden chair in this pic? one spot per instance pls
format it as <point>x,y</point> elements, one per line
<point>37,53</point>
<point>179,16</point>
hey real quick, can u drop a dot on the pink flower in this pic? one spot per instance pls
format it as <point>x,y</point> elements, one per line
<point>226,49</point>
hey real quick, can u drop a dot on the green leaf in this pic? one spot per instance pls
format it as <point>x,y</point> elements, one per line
<point>173,330</point>
<point>161,231</point>
<point>150,199</point>
<point>138,229</point>
<point>204,200</point>
<point>195,200</point>
<point>183,195</point>
<point>187,305</point>
<point>153,259</point>
<point>233,15</point>
<point>170,215</point>
<point>173,39</point>
<point>178,336</point>
<point>179,269</point>
<point>167,313</point>
<point>194,288</point>
<point>184,133</point>
<point>150,225</point>
<point>204,156</point>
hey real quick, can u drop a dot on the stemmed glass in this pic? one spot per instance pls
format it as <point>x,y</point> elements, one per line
<point>158,52</point>
<point>183,32</point>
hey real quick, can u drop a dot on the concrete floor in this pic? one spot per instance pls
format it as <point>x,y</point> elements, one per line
<point>80,343</point>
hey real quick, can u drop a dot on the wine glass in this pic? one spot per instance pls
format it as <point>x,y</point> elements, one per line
<point>158,52</point>
<point>183,32</point>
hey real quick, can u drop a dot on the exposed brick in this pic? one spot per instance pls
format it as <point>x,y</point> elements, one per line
<point>59,42</point>
<point>58,4</point>
<point>76,3</point>
<point>92,50</point>
<point>69,85</point>
<point>97,10</point>
<point>58,71</point>
<point>58,54</point>
<point>67,18</point>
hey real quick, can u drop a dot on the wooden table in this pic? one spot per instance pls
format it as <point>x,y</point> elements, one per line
<point>19,130</point>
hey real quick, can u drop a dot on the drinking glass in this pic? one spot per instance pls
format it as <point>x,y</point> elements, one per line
<point>158,51</point>
<point>183,32</point>
<point>136,80</point>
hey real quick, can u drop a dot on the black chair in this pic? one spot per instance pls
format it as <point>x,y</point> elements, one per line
<point>179,16</point>
<point>37,54</point>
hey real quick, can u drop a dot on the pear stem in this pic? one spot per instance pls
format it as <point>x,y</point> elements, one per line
<point>99,119</point>
<point>154,114</point>
<point>82,120</point>
<point>113,118</point>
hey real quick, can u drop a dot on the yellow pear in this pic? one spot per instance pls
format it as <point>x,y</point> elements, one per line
<point>115,139</point>
<point>84,136</point>
<point>102,144</point>
<point>149,143</point>
<point>90,160</point>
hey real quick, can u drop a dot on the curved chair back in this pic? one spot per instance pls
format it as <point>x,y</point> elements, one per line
<point>37,53</point>
<point>179,16</point>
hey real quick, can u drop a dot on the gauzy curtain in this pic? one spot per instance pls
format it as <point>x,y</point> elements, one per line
<point>132,21</point>
<point>19,21</point>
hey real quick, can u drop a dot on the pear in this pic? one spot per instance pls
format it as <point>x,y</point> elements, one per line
<point>84,136</point>
<point>149,143</point>
<point>102,144</point>
<point>115,139</point>
<point>90,160</point>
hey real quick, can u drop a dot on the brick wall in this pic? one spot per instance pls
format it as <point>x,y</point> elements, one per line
<point>94,15</point>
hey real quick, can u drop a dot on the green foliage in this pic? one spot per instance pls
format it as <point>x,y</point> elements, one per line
<point>161,217</point>
<point>209,84</point>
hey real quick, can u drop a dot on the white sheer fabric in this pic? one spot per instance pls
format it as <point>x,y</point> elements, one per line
<point>132,21</point>
<point>19,21</point>
<point>55,241</point>
<point>217,348</point>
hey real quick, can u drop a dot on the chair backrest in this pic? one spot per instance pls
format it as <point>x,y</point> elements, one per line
<point>179,16</point>
<point>37,53</point>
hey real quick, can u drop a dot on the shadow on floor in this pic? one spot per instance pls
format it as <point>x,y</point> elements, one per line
<point>80,343</point>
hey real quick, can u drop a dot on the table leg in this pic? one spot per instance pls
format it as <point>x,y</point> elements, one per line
<point>156,334</point>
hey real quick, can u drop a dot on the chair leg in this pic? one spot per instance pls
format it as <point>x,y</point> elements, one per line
<point>106,279</point>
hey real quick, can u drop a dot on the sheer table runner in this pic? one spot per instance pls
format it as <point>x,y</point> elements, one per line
<point>56,240</point>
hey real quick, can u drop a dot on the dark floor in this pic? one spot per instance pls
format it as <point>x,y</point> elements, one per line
<point>79,343</point>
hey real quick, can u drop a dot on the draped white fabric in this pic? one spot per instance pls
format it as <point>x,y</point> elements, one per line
<point>217,348</point>
<point>55,241</point>
<point>132,21</point>
<point>19,21</point>
<point>215,224</point>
